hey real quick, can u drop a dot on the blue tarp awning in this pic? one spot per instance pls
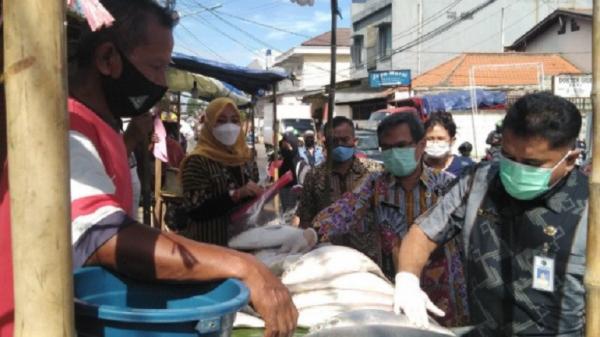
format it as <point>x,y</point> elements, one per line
<point>246,79</point>
<point>461,100</point>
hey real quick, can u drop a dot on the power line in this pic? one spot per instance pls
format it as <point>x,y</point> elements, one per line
<point>265,25</point>
<point>201,19</point>
<point>430,35</point>
<point>252,37</point>
<point>428,20</point>
<point>474,24</point>
<point>219,57</point>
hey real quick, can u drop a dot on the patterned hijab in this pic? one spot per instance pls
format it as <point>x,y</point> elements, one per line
<point>209,147</point>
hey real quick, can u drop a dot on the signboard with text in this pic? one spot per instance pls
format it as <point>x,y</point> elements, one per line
<point>570,85</point>
<point>389,78</point>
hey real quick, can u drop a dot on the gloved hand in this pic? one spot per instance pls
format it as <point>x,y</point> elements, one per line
<point>413,301</point>
<point>301,242</point>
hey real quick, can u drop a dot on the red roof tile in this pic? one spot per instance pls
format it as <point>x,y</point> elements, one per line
<point>455,73</point>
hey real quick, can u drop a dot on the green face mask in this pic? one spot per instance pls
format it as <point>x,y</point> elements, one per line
<point>525,182</point>
<point>400,161</point>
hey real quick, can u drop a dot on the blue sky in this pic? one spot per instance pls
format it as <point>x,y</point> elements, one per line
<point>229,39</point>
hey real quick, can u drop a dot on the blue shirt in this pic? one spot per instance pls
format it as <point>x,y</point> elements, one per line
<point>313,160</point>
<point>458,165</point>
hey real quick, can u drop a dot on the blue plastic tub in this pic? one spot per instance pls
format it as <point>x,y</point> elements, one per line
<point>110,305</point>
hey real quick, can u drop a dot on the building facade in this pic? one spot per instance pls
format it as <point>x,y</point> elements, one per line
<point>419,35</point>
<point>567,32</point>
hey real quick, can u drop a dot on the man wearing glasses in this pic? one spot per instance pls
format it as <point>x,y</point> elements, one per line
<point>387,203</point>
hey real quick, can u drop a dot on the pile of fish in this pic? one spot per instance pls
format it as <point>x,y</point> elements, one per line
<point>334,288</point>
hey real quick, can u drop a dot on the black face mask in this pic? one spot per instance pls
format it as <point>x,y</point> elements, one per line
<point>309,142</point>
<point>132,94</point>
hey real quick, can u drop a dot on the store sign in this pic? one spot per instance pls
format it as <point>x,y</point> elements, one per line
<point>390,78</point>
<point>572,85</point>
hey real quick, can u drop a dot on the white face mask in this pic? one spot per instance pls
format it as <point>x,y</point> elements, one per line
<point>437,149</point>
<point>227,133</point>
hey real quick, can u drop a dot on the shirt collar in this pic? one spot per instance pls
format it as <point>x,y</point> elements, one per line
<point>357,168</point>
<point>392,180</point>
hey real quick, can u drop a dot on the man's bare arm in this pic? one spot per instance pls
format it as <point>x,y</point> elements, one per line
<point>144,253</point>
<point>414,251</point>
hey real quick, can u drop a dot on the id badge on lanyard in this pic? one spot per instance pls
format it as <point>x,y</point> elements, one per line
<point>543,273</point>
<point>543,266</point>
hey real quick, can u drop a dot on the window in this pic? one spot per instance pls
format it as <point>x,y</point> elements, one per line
<point>357,49</point>
<point>385,40</point>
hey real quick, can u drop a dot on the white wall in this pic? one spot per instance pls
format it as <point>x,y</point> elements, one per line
<point>482,33</point>
<point>576,46</point>
<point>316,70</point>
<point>485,122</point>
<point>343,110</point>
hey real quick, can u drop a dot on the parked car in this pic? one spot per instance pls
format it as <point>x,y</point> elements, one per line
<point>368,145</point>
<point>376,117</point>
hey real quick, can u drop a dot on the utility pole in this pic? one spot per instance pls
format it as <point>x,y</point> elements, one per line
<point>592,275</point>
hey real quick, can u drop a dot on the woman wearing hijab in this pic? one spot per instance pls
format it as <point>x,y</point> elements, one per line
<point>219,175</point>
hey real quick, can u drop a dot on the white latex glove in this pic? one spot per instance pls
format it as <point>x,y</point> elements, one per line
<point>301,242</point>
<point>410,299</point>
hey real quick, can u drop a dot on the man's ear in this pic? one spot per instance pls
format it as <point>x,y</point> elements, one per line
<point>108,60</point>
<point>355,142</point>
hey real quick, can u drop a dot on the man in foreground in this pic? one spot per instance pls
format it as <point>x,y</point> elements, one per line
<point>121,72</point>
<point>523,223</point>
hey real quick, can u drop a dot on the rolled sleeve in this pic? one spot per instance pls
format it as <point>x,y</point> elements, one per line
<point>445,219</point>
<point>97,235</point>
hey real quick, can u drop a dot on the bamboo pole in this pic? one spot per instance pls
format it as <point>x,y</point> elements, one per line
<point>158,211</point>
<point>36,91</point>
<point>277,199</point>
<point>592,276</point>
<point>331,98</point>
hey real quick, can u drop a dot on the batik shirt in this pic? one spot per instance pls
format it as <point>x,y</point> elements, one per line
<point>315,196</point>
<point>206,201</point>
<point>501,236</point>
<point>380,207</point>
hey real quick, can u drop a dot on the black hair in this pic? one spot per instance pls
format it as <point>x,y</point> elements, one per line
<point>338,121</point>
<point>417,131</point>
<point>465,148</point>
<point>544,115</point>
<point>443,119</point>
<point>128,30</point>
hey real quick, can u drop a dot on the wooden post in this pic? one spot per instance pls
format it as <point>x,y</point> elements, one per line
<point>277,199</point>
<point>253,115</point>
<point>178,116</point>
<point>38,155</point>
<point>592,276</point>
<point>331,100</point>
<point>146,181</point>
<point>158,211</point>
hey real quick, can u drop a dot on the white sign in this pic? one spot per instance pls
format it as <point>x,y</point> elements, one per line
<point>572,85</point>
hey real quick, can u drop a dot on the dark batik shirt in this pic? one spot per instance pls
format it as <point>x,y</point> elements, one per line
<point>206,200</point>
<point>315,196</point>
<point>501,236</point>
